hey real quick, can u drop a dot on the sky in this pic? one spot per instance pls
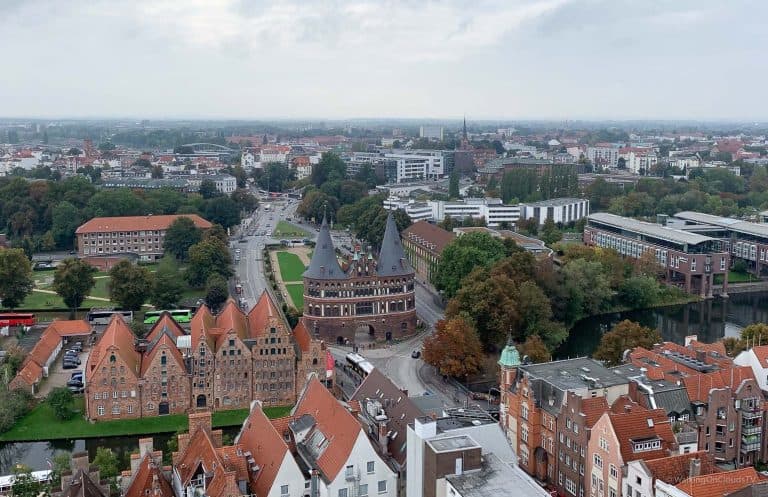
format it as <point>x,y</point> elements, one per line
<point>486,59</point>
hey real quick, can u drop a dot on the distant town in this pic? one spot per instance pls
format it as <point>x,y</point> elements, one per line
<point>395,308</point>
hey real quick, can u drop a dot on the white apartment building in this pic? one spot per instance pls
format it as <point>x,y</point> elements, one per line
<point>491,209</point>
<point>603,156</point>
<point>418,164</point>
<point>641,161</point>
<point>274,155</point>
<point>686,163</point>
<point>561,210</point>
<point>250,160</point>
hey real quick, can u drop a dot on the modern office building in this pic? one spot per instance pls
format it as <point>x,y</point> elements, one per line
<point>493,210</point>
<point>431,132</point>
<point>419,164</point>
<point>689,259</point>
<point>560,210</point>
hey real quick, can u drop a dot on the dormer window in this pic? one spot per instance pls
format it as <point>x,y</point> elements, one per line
<point>112,358</point>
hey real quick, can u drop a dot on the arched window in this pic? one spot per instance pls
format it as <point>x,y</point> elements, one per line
<point>112,358</point>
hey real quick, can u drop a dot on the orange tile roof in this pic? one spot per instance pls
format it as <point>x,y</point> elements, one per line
<point>198,326</point>
<point>232,318</point>
<point>164,342</point>
<point>30,373</point>
<point>201,451</point>
<point>301,335</point>
<point>675,469</point>
<point>593,408</point>
<point>148,481</point>
<point>45,346</point>
<point>428,235</point>
<point>119,338</point>
<point>137,223</point>
<point>267,446</point>
<point>166,322</point>
<point>339,427</point>
<point>233,459</point>
<point>634,425</point>
<point>73,327</point>
<point>761,352</point>
<point>259,316</point>
<point>719,484</point>
<point>700,385</point>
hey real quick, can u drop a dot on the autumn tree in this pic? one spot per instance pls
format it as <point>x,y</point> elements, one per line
<point>454,348</point>
<point>755,334</point>
<point>535,349</point>
<point>464,254</point>
<point>626,335</point>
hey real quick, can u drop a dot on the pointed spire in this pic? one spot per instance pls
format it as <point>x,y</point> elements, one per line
<point>392,261</point>
<point>510,357</point>
<point>324,265</point>
<point>465,127</point>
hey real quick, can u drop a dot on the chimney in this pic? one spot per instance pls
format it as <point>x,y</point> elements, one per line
<point>314,484</point>
<point>627,408</point>
<point>200,420</point>
<point>80,461</point>
<point>694,468</point>
<point>701,355</point>
<point>383,439</point>
<point>145,446</point>
<point>135,460</point>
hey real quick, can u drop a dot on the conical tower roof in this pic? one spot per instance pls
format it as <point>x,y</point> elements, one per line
<point>510,357</point>
<point>392,261</point>
<point>324,265</point>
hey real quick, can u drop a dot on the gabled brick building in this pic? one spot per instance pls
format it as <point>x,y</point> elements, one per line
<point>226,361</point>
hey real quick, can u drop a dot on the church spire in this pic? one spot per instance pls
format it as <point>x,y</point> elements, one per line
<point>465,129</point>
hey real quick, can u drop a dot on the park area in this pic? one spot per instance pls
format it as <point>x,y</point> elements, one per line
<point>291,263</point>
<point>285,229</point>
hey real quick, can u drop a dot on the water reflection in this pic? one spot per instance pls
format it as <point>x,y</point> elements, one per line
<point>711,320</point>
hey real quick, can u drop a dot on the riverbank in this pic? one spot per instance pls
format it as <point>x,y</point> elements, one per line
<point>41,424</point>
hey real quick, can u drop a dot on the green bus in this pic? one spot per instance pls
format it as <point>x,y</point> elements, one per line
<point>179,315</point>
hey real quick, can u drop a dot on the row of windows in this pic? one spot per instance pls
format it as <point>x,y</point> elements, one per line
<point>115,409</point>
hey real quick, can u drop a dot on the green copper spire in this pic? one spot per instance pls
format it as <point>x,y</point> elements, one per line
<point>510,357</point>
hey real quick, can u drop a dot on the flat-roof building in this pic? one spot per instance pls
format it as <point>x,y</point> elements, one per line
<point>560,210</point>
<point>689,259</point>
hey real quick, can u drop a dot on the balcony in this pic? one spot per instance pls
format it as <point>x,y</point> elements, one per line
<point>751,429</point>
<point>751,414</point>
<point>751,447</point>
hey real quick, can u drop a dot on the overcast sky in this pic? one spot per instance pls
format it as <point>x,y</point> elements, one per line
<point>255,59</point>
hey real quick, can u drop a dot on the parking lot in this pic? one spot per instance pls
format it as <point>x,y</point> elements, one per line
<point>57,375</point>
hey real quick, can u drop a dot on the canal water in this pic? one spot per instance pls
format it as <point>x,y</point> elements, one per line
<point>710,320</point>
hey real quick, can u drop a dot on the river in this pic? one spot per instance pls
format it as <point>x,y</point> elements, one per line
<point>710,320</point>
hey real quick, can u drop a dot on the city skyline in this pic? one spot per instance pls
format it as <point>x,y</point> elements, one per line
<point>227,59</point>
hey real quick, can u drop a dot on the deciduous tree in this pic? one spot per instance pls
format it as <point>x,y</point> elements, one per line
<point>181,234</point>
<point>73,280</point>
<point>167,285</point>
<point>626,335</point>
<point>15,277</point>
<point>207,257</point>
<point>535,349</point>
<point>61,401</point>
<point>216,291</point>
<point>129,284</point>
<point>462,255</point>
<point>454,348</point>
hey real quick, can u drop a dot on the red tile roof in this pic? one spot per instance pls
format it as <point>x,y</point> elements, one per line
<point>148,481</point>
<point>593,408</point>
<point>339,427</point>
<point>635,425</point>
<point>45,346</point>
<point>302,336</point>
<point>675,469</point>
<point>259,315</point>
<point>74,327</point>
<point>201,451</point>
<point>166,322</point>
<point>428,235</point>
<point>267,446</point>
<point>30,373</point>
<point>232,318</point>
<point>719,484</point>
<point>700,385</point>
<point>163,343</point>
<point>137,223</point>
<point>117,338</point>
<point>761,353</point>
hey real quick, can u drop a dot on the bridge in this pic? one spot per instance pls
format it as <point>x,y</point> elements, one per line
<point>209,149</point>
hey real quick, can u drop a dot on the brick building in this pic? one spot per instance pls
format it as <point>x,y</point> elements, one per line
<point>423,243</point>
<point>365,294</point>
<point>226,361</point>
<point>117,237</point>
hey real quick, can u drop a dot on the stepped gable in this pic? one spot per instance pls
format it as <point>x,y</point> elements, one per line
<point>117,339</point>
<point>259,316</point>
<point>267,447</point>
<point>201,322</point>
<point>165,324</point>
<point>324,265</point>
<point>167,339</point>
<point>392,260</point>
<point>149,481</point>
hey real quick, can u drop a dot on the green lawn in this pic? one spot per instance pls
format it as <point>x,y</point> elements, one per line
<point>38,300</point>
<point>291,267</point>
<point>734,277</point>
<point>285,229</point>
<point>100,288</point>
<point>296,291</point>
<point>41,424</point>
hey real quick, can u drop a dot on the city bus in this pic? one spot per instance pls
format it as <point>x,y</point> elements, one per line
<point>104,316</point>
<point>179,315</point>
<point>359,365</point>
<point>17,319</point>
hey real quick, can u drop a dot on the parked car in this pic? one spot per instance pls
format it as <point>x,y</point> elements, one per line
<point>72,352</point>
<point>69,365</point>
<point>416,354</point>
<point>76,389</point>
<point>74,383</point>
<point>78,346</point>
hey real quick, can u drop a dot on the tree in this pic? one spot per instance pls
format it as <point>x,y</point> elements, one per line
<point>157,172</point>
<point>181,234</point>
<point>453,185</point>
<point>108,464</point>
<point>639,292</point>
<point>216,233</point>
<point>73,151</point>
<point>454,348</point>
<point>329,168</point>
<point>138,328</point>
<point>129,284</point>
<point>626,335</point>
<point>73,280</point>
<point>535,349</point>
<point>275,176</point>
<point>216,291</point>
<point>61,465</point>
<point>61,401</point>
<point>549,233</point>
<point>208,189</point>
<point>222,210</point>
<point>15,277</point>
<point>24,485</point>
<point>65,219</point>
<point>167,286</point>
<point>755,334</point>
<point>588,287</point>
<point>316,204</point>
<point>367,175</point>
<point>206,258</point>
<point>462,255</point>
